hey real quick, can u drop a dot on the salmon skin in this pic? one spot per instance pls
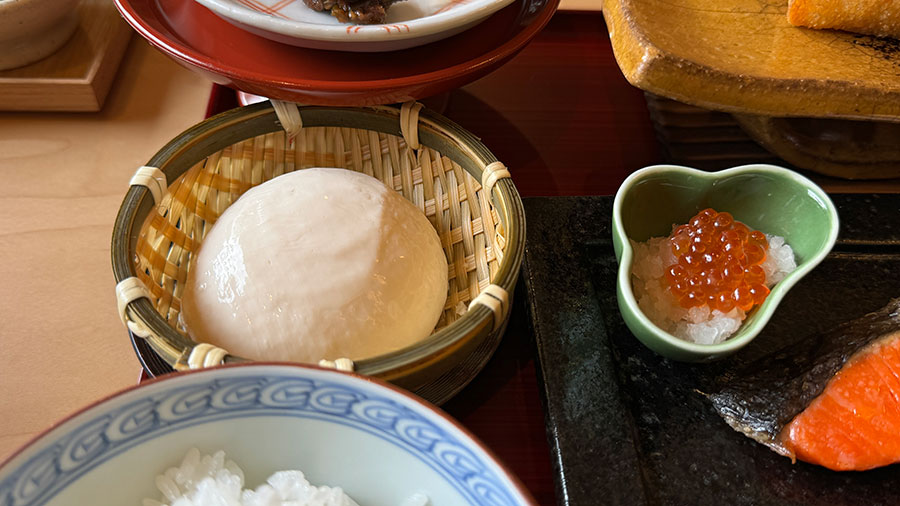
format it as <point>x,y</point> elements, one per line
<point>832,399</point>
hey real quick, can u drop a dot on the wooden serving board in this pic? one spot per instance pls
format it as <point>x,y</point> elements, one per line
<point>79,75</point>
<point>743,56</point>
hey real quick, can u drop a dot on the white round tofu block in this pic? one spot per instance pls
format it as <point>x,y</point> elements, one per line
<point>317,264</point>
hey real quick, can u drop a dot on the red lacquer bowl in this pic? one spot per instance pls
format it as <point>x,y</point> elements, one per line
<point>199,40</point>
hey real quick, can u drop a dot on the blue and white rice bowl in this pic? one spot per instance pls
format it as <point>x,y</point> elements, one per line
<point>379,443</point>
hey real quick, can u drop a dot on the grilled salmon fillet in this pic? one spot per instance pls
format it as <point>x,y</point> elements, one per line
<point>832,399</point>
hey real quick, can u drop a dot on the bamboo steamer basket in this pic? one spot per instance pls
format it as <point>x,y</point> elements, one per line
<point>210,165</point>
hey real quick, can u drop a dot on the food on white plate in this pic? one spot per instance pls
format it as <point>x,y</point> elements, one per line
<point>873,17</point>
<point>699,283</point>
<point>317,264</point>
<point>361,12</point>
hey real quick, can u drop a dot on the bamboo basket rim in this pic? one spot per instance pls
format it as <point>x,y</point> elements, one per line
<point>200,140</point>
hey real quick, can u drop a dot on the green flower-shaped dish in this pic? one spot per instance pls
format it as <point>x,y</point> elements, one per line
<point>764,197</point>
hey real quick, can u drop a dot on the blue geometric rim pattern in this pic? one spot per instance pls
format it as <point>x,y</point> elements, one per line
<point>103,437</point>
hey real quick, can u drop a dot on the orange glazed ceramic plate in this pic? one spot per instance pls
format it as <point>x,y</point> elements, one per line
<point>743,56</point>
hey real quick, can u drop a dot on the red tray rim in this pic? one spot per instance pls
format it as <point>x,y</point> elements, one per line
<point>193,57</point>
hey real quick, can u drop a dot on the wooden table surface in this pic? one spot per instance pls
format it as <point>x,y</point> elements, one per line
<point>560,115</point>
<point>65,175</point>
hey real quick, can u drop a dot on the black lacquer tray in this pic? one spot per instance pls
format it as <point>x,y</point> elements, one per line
<point>629,427</point>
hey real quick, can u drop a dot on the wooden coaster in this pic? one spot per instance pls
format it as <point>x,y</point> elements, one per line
<point>79,75</point>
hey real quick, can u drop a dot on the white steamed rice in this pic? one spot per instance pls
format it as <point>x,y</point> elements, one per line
<point>211,480</point>
<point>698,324</point>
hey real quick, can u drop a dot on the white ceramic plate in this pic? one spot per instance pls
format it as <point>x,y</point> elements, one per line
<point>409,23</point>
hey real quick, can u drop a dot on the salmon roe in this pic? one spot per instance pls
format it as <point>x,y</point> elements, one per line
<point>718,263</point>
